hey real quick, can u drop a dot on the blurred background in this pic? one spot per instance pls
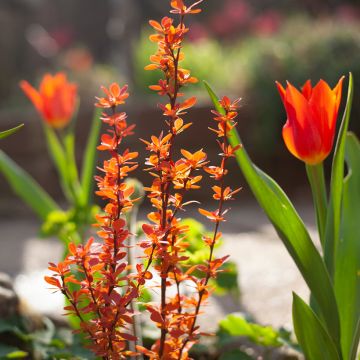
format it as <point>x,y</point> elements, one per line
<point>241,47</point>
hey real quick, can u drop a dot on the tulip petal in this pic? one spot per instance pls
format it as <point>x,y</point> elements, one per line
<point>281,90</point>
<point>55,100</point>
<point>307,89</point>
<point>33,95</point>
<point>323,104</point>
<point>296,105</point>
<point>289,140</point>
<point>311,119</point>
<point>338,91</point>
<point>47,86</point>
<point>303,124</point>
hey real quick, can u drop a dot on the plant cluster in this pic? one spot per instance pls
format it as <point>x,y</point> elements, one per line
<point>57,102</point>
<point>102,282</point>
<point>97,279</point>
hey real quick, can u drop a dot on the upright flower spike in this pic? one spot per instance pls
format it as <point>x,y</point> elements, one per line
<point>311,119</point>
<point>55,100</point>
<point>222,194</point>
<point>165,236</point>
<point>107,286</point>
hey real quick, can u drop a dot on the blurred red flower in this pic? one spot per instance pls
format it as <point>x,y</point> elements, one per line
<point>55,100</point>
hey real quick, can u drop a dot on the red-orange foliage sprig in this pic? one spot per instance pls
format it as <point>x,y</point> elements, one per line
<point>222,194</point>
<point>94,277</point>
<point>165,245</point>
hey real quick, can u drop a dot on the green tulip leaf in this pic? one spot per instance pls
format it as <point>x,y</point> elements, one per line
<point>90,156</point>
<point>58,156</point>
<point>72,171</point>
<point>313,338</point>
<point>290,229</point>
<point>26,187</point>
<point>347,260</point>
<point>332,229</point>
<point>6,133</point>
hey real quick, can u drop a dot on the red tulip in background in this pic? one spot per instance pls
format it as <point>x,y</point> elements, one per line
<point>55,100</point>
<point>311,119</point>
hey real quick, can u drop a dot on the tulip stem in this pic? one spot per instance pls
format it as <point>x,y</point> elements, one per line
<point>316,178</point>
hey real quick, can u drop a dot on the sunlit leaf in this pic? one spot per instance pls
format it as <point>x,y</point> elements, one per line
<point>11,352</point>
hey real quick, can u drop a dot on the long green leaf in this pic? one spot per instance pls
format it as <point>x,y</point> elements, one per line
<point>332,230</point>
<point>72,171</point>
<point>312,336</point>
<point>90,156</point>
<point>58,155</point>
<point>6,133</point>
<point>26,187</point>
<point>290,229</point>
<point>347,261</point>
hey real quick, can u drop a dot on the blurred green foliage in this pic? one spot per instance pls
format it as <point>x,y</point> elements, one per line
<point>236,325</point>
<point>226,283</point>
<point>18,340</point>
<point>302,49</point>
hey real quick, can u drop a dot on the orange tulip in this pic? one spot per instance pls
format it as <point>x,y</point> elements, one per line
<point>55,100</point>
<point>311,119</point>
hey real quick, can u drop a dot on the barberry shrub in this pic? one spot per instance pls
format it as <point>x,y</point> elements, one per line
<point>97,279</point>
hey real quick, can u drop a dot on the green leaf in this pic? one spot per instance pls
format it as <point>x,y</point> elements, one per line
<point>235,355</point>
<point>347,259</point>
<point>332,230</point>
<point>72,171</point>
<point>90,156</point>
<point>236,325</point>
<point>6,133</point>
<point>11,352</point>
<point>26,187</point>
<point>17,354</point>
<point>313,338</point>
<point>290,229</point>
<point>58,155</point>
